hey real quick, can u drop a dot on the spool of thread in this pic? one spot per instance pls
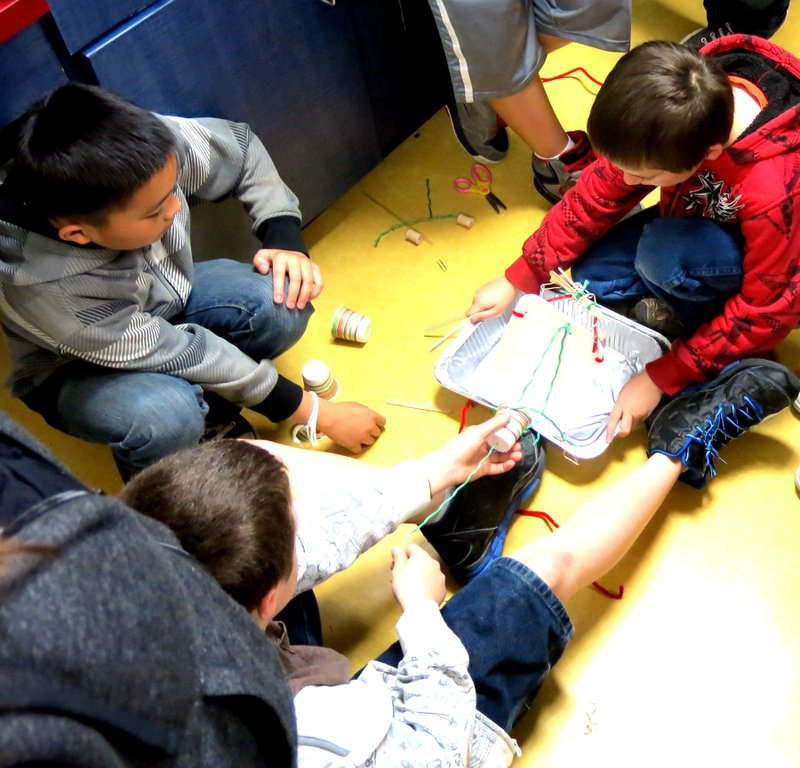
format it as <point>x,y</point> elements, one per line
<point>504,438</point>
<point>414,237</point>
<point>317,377</point>
<point>349,325</point>
<point>465,221</point>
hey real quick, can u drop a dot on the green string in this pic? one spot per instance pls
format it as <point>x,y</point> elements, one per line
<point>438,509</point>
<point>562,331</point>
<point>429,217</point>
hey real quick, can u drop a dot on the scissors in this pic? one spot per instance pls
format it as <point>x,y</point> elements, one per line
<point>479,184</point>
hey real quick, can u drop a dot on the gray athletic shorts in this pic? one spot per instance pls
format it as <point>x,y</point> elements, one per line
<point>491,45</point>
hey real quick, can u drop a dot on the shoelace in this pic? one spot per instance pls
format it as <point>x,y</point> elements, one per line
<point>724,427</point>
<point>715,33</point>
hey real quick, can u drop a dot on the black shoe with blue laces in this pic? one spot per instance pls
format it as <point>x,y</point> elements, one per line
<point>695,424</point>
<point>469,537</point>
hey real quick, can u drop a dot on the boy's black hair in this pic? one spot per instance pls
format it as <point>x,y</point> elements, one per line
<point>661,107</point>
<point>84,151</point>
<point>228,502</point>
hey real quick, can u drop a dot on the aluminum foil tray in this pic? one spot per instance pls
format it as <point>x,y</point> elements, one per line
<point>569,401</point>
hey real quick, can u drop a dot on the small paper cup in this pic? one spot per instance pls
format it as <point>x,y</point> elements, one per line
<point>349,325</point>
<point>317,377</point>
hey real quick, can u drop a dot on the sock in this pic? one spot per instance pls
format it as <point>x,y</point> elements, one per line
<point>570,144</point>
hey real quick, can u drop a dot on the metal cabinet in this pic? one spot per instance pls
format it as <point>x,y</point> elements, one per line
<point>329,88</point>
<point>29,67</point>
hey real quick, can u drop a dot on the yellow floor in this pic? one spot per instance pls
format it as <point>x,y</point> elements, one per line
<point>699,664</point>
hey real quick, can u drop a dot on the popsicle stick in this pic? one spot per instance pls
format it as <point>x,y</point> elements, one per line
<point>443,324</point>
<point>418,406</point>
<point>460,327</point>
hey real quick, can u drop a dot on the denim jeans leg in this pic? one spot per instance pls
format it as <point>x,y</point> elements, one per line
<point>234,301</point>
<point>514,629</point>
<point>608,265</point>
<point>141,416</point>
<point>692,264</point>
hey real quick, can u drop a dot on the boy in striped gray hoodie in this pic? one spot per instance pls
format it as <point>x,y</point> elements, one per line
<point>116,335</point>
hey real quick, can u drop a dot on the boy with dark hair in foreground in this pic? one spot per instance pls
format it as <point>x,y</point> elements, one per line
<point>715,264</point>
<point>459,679</point>
<point>116,335</point>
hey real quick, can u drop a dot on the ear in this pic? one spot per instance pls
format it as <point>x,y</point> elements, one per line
<point>714,151</point>
<point>71,231</point>
<point>265,611</point>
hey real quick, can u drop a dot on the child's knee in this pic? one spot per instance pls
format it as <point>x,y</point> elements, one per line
<point>168,420</point>
<point>552,565</point>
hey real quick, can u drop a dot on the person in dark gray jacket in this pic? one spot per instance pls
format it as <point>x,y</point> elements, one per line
<point>117,649</point>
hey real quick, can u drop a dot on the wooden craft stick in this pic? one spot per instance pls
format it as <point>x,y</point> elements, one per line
<point>460,327</point>
<point>444,323</point>
<point>418,406</point>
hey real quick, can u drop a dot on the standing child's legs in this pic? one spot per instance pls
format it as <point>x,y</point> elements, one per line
<point>495,49</point>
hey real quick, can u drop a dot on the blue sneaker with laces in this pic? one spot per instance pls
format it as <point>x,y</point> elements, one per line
<point>470,534</point>
<point>695,424</point>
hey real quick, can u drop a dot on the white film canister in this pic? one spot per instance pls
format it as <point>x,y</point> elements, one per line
<point>317,377</point>
<point>413,236</point>
<point>504,438</point>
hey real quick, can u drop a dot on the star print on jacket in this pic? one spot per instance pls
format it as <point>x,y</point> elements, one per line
<point>712,200</point>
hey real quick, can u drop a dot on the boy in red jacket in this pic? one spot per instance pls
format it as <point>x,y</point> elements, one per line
<point>715,264</point>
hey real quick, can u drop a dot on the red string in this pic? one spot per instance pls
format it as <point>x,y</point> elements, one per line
<point>464,411</point>
<point>552,525</point>
<point>570,72</point>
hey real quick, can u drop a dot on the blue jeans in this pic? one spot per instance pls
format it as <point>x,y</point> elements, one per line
<point>691,264</point>
<point>752,17</point>
<point>514,629</point>
<point>144,416</point>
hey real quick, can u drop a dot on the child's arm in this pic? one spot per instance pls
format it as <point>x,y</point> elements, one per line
<point>222,159</point>
<point>340,516</point>
<point>436,694</point>
<point>491,299</point>
<point>416,577</point>
<point>305,277</point>
<point>757,318</point>
<point>635,402</point>
<point>588,211</point>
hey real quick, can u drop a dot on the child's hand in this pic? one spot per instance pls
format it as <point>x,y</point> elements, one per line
<point>305,278</point>
<point>351,425</point>
<point>416,576</point>
<point>452,463</point>
<point>491,299</point>
<point>637,400</point>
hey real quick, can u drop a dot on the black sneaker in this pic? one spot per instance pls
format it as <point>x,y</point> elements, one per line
<point>470,535</point>
<point>478,130</point>
<point>553,178</point>
<point>705,35</point>
<point>695,424</point>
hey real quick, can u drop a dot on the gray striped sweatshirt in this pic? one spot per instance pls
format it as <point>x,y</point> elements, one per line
<point>62,302</point>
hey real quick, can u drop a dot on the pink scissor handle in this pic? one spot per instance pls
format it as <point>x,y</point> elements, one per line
<point>481,173</point>
<point>463,185</point>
